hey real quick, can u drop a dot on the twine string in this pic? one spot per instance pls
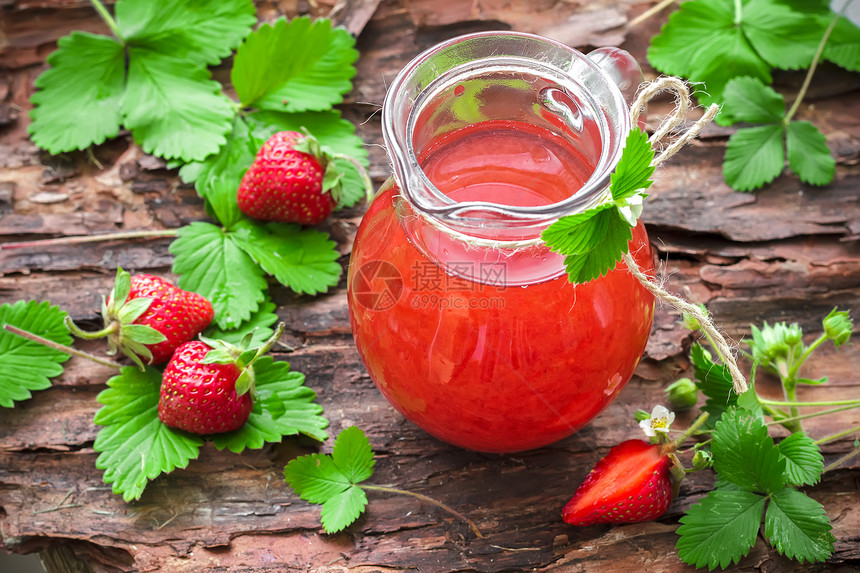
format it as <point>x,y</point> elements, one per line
<point>702,316</point>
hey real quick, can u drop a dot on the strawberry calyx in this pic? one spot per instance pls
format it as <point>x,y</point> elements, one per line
<point>119,315</point>
<point>332,181</point>
<point>242,355</point>
<point>332,177</point>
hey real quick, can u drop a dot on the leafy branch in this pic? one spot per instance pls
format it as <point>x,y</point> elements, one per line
<point>134,445</point>
<point>334,481</point>
<point>730,48</point>
<point>151,77</point>
<point>757,479</point>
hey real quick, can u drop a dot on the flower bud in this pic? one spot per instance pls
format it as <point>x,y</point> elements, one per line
<point>838,327</point>
<point>793,335</point>
<point>683,394</point>
<point>702,460</point>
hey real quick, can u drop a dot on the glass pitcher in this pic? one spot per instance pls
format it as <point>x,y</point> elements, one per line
<point>465,321</point>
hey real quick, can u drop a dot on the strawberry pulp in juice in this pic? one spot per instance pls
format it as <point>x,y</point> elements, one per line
<point>454,336</point>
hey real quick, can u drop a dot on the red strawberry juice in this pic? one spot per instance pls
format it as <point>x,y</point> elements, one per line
<point>492,349</point>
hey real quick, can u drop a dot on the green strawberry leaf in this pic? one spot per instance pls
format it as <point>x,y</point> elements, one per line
<point>715,382</point>
<point>221,202</point>
<point>230,162</point>
<point>172,109</point>
<point>25,365</point>
<point>754,156</point>
<point>342,509</point>
<point>203,31</point>
<point>696,26</point>
<point>333,480</point>
<point>720,529</point>
<point>315,477</point>
<point>803,460</point>
<point>592,242</point>
<point>798,527</point>
<point>151,79</point>
<point>284,407</point>
<point>80,94</point>
<point>786,37</point>
<point>749,402</point>
<point>352,455</point>
<point>210,263</point>
<point>304,260</point>
<point>259,324</point>
<point>135,446</point>
<point>808,154</point>
<point>294,66</point>
<point>843,47</point>
<point>747,99</point>
<point>705,41</point>
<point>745,455</point>
<point>633,172</point>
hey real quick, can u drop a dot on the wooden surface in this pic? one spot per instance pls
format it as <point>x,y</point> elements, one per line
<point>787,253</point>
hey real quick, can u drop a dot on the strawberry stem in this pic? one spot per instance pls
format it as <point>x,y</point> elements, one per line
<point>76,330</point>
<point>841,460</point>
<point>61,347</point>
<point>108,19</point>
<point>808,79</point>
<point>854,402</point>
<point>429,500</point>
<point>279,330</point>
<point>841,434</point>
<point>694,427</point>
<point>90,239</point>
<point>782,421</point>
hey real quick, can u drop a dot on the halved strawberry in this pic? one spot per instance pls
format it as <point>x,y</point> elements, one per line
<point>632,483</point>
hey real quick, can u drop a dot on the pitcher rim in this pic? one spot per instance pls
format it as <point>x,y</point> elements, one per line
<point>591,191</point>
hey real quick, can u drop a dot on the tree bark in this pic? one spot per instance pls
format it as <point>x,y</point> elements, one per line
<point>786,253</point>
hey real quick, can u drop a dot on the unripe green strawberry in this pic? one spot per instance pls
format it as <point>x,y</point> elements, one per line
<point>683,394</point>
<point>201,397</point>
<point>838,326</point>
<point>290,181</point>
<point>147,318</point>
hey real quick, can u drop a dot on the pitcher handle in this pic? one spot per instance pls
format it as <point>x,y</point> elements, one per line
<point>622,69</point>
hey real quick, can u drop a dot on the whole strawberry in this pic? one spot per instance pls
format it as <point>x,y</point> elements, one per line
<point>292,180</point>
<point>634,482</point>
<point>201,397</point>
<point>208,385</point>
<point>147,318</point>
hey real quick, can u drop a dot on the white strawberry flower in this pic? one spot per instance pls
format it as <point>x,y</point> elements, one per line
<point>631,208</point>
<point>660,421</point>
